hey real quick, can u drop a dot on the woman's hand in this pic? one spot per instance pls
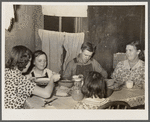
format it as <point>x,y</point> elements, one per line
<point>138,86</point>
<point>32,79</point>
<point>56,77</point>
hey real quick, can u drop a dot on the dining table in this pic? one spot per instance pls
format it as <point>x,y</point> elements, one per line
<point>134,97</point>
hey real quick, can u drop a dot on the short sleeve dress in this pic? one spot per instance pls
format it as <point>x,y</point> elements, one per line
<point>90,103</point>
<point>17,89</point>
<point>123,72</point>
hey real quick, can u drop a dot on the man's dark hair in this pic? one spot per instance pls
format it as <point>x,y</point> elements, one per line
<point>88,46</point>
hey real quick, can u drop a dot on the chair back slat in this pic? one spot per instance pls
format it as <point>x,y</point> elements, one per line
<point>118,106</point>
<point>115,105</point>
<point>125,107</point>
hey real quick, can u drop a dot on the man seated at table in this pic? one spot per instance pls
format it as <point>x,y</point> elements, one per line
<point>84,63</point>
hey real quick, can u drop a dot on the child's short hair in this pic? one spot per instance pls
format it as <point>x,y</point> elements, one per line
<point>94,85</point>
<point>19,57</point>
<point>38,53</point>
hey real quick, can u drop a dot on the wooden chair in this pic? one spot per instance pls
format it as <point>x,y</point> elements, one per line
<point>115,105</point>
<point>117,57</point>
<point>139,107</point>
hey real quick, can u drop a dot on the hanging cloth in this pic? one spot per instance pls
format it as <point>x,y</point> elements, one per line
<point>72,45</point>
<point>65,10</point>
<point>9,14</point>
<point>52,45</point>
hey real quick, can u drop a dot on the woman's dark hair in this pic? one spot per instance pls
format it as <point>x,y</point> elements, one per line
<point>88,46</point>
<point>38,53</point>
<point>138,47</point>
<point>19,57</point>
<point>94,85</point>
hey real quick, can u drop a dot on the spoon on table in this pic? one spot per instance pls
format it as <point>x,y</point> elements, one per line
<point>48,102</point>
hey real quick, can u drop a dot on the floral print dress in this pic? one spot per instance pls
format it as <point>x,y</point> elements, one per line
<point>123,72</point>
<point>17,89</point>
<point>91,103</point>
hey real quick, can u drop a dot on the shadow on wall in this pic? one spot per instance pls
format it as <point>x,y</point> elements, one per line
<point>112,27</point>
<point>23,32</point>
<point>106,46</point>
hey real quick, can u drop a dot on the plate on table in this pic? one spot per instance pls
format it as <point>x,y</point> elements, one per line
<point>62,91</point>
<point>42,81</point>
<point>62,95</point>
<point>110,82</point>
<point>118,88</point>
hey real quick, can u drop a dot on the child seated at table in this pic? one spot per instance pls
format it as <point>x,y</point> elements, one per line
<point>39,64</point>
<point>17,87</point>
<point>95,92</point>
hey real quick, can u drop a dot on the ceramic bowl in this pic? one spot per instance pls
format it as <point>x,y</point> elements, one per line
<point>66,83</point>
<point>42,81</point>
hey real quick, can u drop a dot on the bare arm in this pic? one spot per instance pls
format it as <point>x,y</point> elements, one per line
<point>97,67</point>
<point>44,92</point>
<point>104,73</point>
<point>68,71</point>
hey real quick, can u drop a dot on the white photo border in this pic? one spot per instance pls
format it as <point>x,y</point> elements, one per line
<point>40,114</point>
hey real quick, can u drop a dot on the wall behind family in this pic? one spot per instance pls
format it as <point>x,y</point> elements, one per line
<point>110,28</point>
<point>24,31</point>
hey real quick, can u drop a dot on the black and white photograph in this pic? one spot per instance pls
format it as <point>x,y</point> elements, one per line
<point>74,60</point>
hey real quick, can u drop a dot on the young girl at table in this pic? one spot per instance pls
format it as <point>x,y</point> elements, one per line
<point>39,64</point>
<point>17,86</point>
<point>94,89</point>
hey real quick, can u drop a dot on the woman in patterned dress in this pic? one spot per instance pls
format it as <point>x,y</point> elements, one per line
<point>17,86</point>
<point>131,69</point>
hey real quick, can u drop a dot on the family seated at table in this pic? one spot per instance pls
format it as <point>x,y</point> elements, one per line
<point>18,87</point>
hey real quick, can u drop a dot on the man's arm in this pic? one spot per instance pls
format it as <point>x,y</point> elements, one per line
<point>97,67</point>
<point>67,74</point>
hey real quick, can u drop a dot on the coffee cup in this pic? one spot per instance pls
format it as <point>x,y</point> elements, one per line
<point>129,84</point>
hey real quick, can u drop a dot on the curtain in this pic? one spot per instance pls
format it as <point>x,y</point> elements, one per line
<point>52,45</point>
<point>9,14</point>
<point>72,45</point>
<point>65,10</point>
